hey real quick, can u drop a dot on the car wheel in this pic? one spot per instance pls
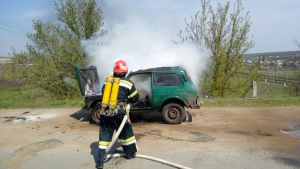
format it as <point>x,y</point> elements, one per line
<point>173,113</point>
<point>188,117</point>
<point>96,113</point>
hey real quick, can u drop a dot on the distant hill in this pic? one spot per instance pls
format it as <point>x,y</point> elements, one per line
<point>4,59</point>
<point>287,53</point>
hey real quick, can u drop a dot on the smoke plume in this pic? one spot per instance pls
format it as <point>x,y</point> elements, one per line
<point>143,39</point>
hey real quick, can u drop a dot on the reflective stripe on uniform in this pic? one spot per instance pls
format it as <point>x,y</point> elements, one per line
<point>103,144</point>
<point>126,144</point>
<point>128,141</point>
<point>126,84</point>
<point>132,94</point>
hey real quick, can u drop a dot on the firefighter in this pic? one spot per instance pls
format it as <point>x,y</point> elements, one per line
<point>108,124</point>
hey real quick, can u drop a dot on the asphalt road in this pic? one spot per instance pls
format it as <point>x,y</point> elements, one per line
<point>217,138</point>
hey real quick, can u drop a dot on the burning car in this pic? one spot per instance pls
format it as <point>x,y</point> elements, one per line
<point>168,90</point>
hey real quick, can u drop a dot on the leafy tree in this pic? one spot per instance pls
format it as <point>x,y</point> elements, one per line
<point>82,17</point>
<point>55,49</point>
<point>53,55</point>
<point>226,36</point>
<point>16,71</point>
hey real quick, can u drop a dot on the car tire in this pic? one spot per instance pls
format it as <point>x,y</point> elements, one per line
<point>173,113</point>
<point>95,113</point>
<point>188,117</point>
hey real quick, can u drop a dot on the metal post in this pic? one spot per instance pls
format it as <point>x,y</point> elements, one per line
<point>254,89</point>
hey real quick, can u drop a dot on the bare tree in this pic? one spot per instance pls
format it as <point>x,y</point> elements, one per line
<point>296,42</point>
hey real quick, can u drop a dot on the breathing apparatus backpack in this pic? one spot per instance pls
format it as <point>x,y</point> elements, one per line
<point>109,99</point>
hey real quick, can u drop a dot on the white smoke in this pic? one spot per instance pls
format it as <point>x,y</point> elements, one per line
<point>143,40</point>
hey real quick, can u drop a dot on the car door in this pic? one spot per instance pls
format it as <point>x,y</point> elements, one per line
<point>165,86</point>
<point>142,82</point>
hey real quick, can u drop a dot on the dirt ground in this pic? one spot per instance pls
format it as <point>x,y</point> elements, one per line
<point>248,138</point>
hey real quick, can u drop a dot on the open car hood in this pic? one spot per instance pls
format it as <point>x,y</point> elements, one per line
<point>88,80</point>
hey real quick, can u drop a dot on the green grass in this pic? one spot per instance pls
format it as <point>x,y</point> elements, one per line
<point>32,97</point>
<point>284,73</point>
<point>251,102</point>
<point>268,94</point>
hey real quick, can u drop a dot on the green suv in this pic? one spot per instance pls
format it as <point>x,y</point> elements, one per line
<point>162,89</point>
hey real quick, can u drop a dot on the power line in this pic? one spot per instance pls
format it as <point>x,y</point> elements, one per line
<point>12,31</point>
<point>14,27</point>
<point>15,24</point>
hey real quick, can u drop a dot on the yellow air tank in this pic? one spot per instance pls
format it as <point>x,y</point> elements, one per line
<point>107,90</point>
<point>114,93</point>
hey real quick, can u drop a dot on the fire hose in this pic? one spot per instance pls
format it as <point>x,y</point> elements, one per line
<point>127,119</point>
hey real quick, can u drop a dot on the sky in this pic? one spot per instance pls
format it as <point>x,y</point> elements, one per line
<point>141,31</point>
<point>145,29</point>
<point>274,22</point>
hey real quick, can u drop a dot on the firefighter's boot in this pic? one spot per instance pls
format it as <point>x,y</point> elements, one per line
<point>99,165</point>
<point>128,156</point>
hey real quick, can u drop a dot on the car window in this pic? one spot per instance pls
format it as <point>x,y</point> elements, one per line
<point>185,78</point>
<point>171,79</point>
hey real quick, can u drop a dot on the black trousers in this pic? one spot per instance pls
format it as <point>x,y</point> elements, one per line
<point>107,127</point>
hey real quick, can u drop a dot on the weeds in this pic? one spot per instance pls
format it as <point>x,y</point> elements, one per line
<point>269,94</point>
<point>32,97</point>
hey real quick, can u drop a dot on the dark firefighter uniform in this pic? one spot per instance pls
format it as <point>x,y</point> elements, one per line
<point>127,93</point>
